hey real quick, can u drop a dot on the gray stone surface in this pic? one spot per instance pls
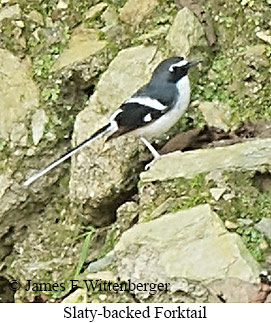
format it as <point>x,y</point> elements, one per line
<point>18,135</point>
<point>18,92</point>
<point>186,33</point>
<point>105,275</point>
<point>110,17</point>
<point>192,245</point>
<point>36,17</point>
<point>39,120</point>
<point>101,263</point>
<point>217,192</point>
<point>264,35</point>
<point>83,44</point>
<point>251,155</point>
<point>10,12</point>
<point>100,172</point>
<point>216,114</point>
<point>62,4</point>
<point>264,226</point>
<point>134,11</point>
<point>126,215</point>
<point>4,183</point>
<point>234,290</point>
<point>78,296</point>
<point>95,10</point>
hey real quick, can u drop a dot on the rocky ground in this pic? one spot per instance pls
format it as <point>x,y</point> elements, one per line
<point>198,219</point>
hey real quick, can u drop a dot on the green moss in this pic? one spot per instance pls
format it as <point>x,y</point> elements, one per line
<point>253,240</point>
<point>235,77</point>
<point>246,208</point>
<point>184,193</point>
<point>248,202</point>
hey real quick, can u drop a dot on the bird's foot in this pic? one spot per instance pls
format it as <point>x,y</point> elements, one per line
<point>153,151</point>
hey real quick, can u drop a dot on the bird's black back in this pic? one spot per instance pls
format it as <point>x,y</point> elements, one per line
<point>167,96</point>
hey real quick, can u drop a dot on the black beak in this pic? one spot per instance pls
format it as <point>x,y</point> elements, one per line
<point>193,63</point>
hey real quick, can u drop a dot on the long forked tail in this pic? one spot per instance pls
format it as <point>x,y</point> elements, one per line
<point>104,130</point>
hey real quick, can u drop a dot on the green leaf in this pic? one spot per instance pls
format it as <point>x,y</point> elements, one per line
<point>84,252</point>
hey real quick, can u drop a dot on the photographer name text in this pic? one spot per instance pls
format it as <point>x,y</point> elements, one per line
<point>97,285</point>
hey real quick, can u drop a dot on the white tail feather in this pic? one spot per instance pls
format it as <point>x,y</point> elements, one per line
<point>109,128</point>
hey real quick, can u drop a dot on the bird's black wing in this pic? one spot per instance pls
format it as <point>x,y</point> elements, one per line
<point>133,116</point>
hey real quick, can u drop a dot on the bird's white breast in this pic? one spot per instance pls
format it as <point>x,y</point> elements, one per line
<point>163,124</point>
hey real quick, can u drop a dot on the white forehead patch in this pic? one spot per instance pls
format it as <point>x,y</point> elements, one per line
<point>179,64</point>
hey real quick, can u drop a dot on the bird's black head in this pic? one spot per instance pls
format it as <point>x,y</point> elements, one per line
<point>173,69</point>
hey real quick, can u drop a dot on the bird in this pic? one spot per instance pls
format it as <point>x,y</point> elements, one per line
<point>150,112</point>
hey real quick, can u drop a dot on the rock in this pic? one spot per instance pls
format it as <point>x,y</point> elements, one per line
<point>83,44</point>
<point>135,11</point>
<point>36,16</point>
<point>231,225</point>
<point>246,156</point>
<point>256,56</point>
<point>110,17</point>
<point>228,196</point>
<point>216,114</point>
<point>19,94</point>
<point>195,246</point>
<point>244,222</point>
<point>10,12</point>
<point>62,4</point>
<point>234,290</point>
<point>95,10</point>
<point>264,226</point>
<point>217,192</point>
<point>161,209</point>
<point>11,196</point>
<point>263,245</point>
<point>158,32</point>
<point>19,23</point>
<point>78,296</point>
<point>4,184</point>
<point>127,215</point>
<point>263,182</point>
<point>112,27</point>
<point>203,17</point>
<point>102,297</point>
<point>186,33</point>
<point>6,293</point>
<point>39,119</point>
<point>102,275</point>
<point>100,264</point>
<point>18,135</point>
<point>265,36</point>
<point>106,172</point>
